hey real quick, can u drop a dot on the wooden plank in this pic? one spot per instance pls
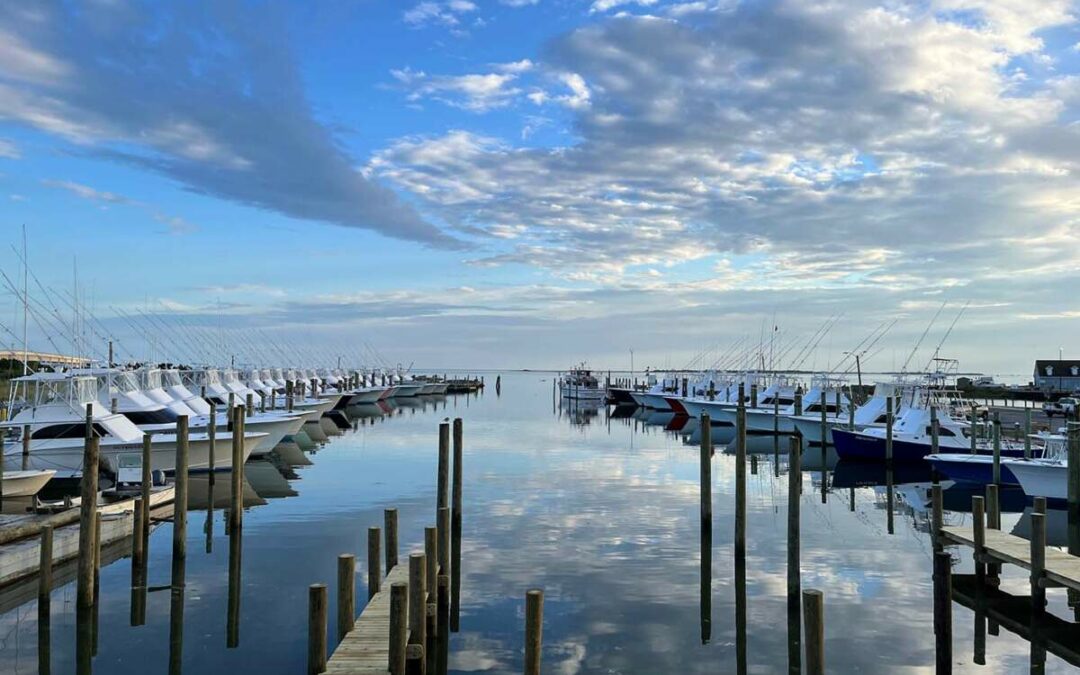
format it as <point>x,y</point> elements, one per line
<point>366,648</point>
<point>20,559</point>
<point>1061,568</point>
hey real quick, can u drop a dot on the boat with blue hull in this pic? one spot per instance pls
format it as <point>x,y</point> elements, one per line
<point>862,447</point>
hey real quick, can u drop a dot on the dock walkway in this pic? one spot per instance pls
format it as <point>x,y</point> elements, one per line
<point>366,648</point>
<point>1061,568</point>
<point>21,558</point>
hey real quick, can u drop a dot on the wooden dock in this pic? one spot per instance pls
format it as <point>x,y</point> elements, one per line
<point>20,559</point>
<point>366,648</point>
<point>1060,568</point>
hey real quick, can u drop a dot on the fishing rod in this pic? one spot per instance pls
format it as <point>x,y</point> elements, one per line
<point>922,337</point>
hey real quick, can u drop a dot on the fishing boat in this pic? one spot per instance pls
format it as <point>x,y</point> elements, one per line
<point>1046,448</point>
<point>26,483</point>
<point>579,384</point>
<point>871,414</point>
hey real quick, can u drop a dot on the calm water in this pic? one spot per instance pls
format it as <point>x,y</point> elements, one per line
<point>600,510</point>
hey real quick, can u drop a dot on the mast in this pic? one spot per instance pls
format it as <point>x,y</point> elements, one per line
<point>25,308</point>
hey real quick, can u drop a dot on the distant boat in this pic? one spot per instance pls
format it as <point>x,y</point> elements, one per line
<point>26,483</point>
<point>581,385</point>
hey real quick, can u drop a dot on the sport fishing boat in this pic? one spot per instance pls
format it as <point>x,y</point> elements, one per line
<point>912,437</point>
<point>54,406</point>
<point>873,413</point>
<point>1046,449</point>
<point>764,418</point>
<point>581,385</point>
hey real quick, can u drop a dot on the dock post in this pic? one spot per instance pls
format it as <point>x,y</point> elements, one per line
<point>824,430</point>
<point>249,404</point>
<point>136,543</point>
<point>431,557</point>
<point>455,527</point>
<point>943,611</point>
<point>534,626</point>
<point>997,449</point>
<point>993,507</point>
<point>1027,433</point>
<point>236,479</point>
<point>978,529</point>
<point>1073,470</point>
<point>211,438</point>
<point>390,524</point>
<point>442,604</point>
<point>399,619</point>
<point>317,600</point>
<point>814,620</point>
<point>706,467</point>
<point>443,486</point>
<point>794,580</point>
<point>346,594</point>
<point>889,429</point>
<point>180,503</point>
<point>1038,591</point>
<point>417,599</point>
<point>26,447</point>
<point>232,617</point>
<point>974,430</point>
<point>798,403</point>
<point>935,433</point>
<point>443,548</point>
<point>740,480</point>
<point>44,625</point>
<point>88,515</point>
<point>936,498</point>
<point>776,435</point>
<point>414,660</point>
<point>374,574</point>
<point>753,395</point>
<point>289,395</point>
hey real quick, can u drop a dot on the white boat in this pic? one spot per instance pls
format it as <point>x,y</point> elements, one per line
<point>53,406</point>
<point>26,483</point>
<point>581,385</point>
<point>873,413</point>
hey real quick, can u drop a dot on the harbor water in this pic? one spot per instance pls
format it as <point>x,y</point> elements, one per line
<point>597,506</point>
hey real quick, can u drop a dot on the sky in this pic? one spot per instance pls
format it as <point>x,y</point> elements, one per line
<point>533,183</point>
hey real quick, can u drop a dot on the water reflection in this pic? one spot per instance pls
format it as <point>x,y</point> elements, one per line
<point>603,521</point>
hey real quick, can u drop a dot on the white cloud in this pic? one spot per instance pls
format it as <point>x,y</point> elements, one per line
<point>446,13</point>
<point>605,5</point>
<point>87,192</point>
<point>9,150</point>
<point>476,92</point>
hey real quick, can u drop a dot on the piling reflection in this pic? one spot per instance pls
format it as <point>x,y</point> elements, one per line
<point>740,611</point>
<point>232,622</point>
<point>706,580</point>
<point>794,578</point>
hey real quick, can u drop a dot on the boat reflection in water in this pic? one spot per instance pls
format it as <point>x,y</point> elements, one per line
<point>581,412</point>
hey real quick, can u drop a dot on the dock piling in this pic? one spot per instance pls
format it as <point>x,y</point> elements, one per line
<point>794,581</point>
<point>346,587</point>
<point>740,479</point>
<point>706,467</point>
<point>417,599</point>
<point>374,575</point>
<point>87,516</point>
<point>390,520</point>
<point>814,620</point>
<point>534,626</point>
<point>236,503</point>
<point>943,611</point>
<point>317,601</point>
<point>455,526</point>
<point>399,619</point>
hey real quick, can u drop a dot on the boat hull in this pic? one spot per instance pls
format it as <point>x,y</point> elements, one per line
<point>26,483</point>
<point>970,468</point>
<point>856,447</point>
<point>1042,479</point>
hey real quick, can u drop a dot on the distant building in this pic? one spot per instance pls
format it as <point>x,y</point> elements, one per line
<point>43,357</point>
<point>1061,376</point>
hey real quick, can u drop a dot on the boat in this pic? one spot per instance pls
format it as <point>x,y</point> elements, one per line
<point>579,384</point>
<point>873,413</point>
<point>26,483</point>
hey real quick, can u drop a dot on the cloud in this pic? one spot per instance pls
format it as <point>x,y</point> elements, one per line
<point>209,98</point>
<point>605,5</point>
<point>476,92</point>
<point>9,150</point>
<point>446,13</point>
<point>175,225</point>
<point>846,144</point>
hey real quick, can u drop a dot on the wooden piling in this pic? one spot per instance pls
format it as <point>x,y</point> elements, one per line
<point>740,479</point>
<point>414,660</point>
<point>399,619</point>
<point>824,430</point>
<point>794,579</point>
<point>431,556</point>
<point>136,542</point>
<point>935,432</point>
<point>442,604</point>
<point>232,621</point>
<point>317,601</point>
<point>1038,565</point>
<point>1027,433</point>
<point>938,516</point>
<point>44,608</point>
<point>443,496</point>
<point>889,429</point>
<point>147,485</point>
<point>1073,467</point>
<point>180,502</point>
<point>993,507</point>
<point>997,449</point>
<point>814,621</point>
<point>346,598</point>
<point>978,535</point>
<point>455,526</point>
<point>443,527</point>
<point>390,521</point>
<point>87,519</point>
<point>943,611</point>
<point>236,503</point>
<point>417,599</point>
<point>706,467</point>
<point>753,395</point>
<point>374,575</point>
<point>974,431</point>
<point>45,564</point>
<point>534,627</point>
<point>211,438</point>
<point>26,447</point>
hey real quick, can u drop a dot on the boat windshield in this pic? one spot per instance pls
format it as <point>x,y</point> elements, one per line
<point>126,382</point>
<point>153,379</point>
<point>172,378</point>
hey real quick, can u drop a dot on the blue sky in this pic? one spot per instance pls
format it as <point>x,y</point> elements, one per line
<point>530,183</point>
